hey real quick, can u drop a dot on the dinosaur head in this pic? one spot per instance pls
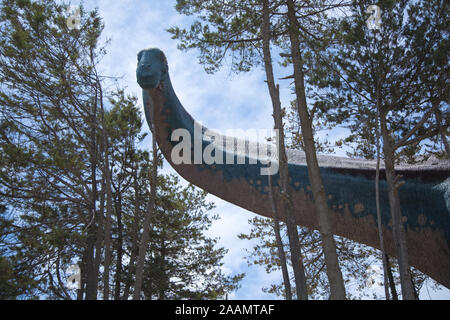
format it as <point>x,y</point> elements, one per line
<point>152,68</point>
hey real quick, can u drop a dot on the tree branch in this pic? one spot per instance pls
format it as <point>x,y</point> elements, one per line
<point>404,141</point>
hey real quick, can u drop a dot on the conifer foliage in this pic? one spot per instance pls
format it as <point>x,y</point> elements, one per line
<point>75,176</point>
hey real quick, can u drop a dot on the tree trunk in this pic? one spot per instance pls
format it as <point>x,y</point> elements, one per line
<point>135,235</point>
<point>443,133</point>
<point>92,268</point>
<point>145,233</point>
<point>391,279</point>
<point>100,233</point>
<point>163,279</point>
<point>107,234</point>
<point>91,278</point>
<point>394,203</point>
<point>93,244</point>
<point>334,274</point>
<point>297,261</point>
<point>416,294</point>
<point>377,197</point>
<point>82,291</point>
<point>118,280</point>
<point>280,246</point>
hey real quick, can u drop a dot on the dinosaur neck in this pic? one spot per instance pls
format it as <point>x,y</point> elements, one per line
<point>350,191</point>
<point>165,110</point>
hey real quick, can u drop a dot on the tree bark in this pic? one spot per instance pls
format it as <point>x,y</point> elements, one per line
<point>108,182</point>
<point>334,274</point>
<point>93,238</point>
<point>100,233</point>
<point>394,203</point>
<point>118,280</point>
<point>135,235</point>
<point>297,261</point>
<point>91,278</point>
<point>280,246</point>
<point>377,197</point>
<point>82,291</point>
<point>416,294</point>
<point>163,282</point>
<point>391,279</point>
<point>145,233</point>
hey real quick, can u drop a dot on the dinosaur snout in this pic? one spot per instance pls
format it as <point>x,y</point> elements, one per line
<point>147,78</point>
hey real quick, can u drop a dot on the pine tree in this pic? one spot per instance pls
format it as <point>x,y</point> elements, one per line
<point>74,179</point>
<point>243,31</point>
<point>354,258</point>
<point>396,74</point>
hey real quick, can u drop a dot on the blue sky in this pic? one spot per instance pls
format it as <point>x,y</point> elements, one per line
<point>220,101</point>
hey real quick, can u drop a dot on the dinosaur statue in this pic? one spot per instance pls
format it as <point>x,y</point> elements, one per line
<point>349,183</point>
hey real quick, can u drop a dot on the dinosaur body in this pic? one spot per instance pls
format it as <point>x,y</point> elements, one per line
<point>349,183</point>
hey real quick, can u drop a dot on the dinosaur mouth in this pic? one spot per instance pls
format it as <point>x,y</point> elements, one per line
<point>146,80</point>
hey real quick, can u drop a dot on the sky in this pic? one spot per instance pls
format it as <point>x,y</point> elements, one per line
<point>220,101</point>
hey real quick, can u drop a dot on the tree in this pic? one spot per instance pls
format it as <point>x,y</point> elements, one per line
<point>49,79</point>
<point>297,265</point>
<point>354,257</point>
<point>181,262</point>
<point>318,190</point>
<point>244,30</point>
<point>14,281</point>
<point>150,211</point>
<point>72,190</point>
<point>396,75</point>
<point>124,124</point>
